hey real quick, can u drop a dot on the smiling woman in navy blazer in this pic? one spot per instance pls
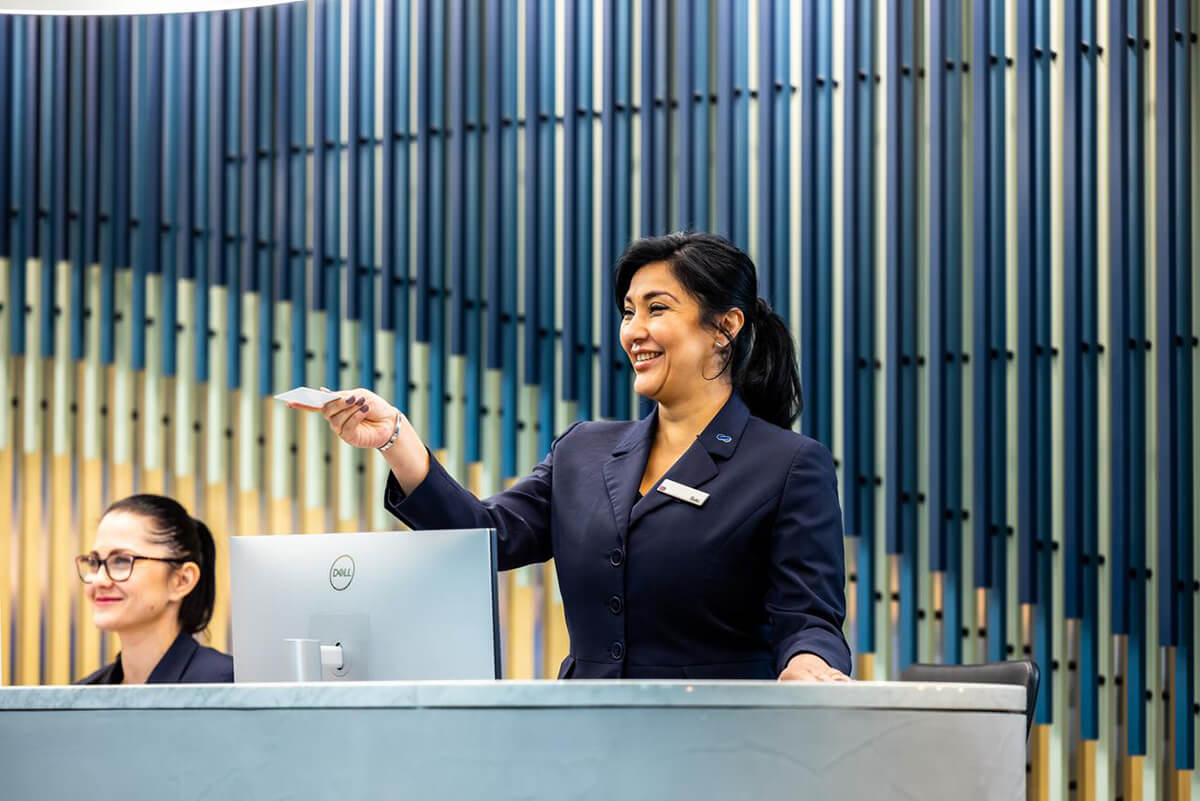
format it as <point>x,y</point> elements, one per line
<point>703,541</point>
<point>151,578</point>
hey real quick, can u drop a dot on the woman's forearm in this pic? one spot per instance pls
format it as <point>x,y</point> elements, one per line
<point>408,458</point>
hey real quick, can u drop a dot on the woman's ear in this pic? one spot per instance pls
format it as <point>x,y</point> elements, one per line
<point>183,580</point>
<point>731,323</point>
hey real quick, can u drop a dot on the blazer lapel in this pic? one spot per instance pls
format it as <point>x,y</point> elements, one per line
<point>699,463</point>
<point>171,667</point>
<point>623,471</point>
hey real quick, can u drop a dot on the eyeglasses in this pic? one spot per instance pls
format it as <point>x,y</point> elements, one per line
<point>118,566</point>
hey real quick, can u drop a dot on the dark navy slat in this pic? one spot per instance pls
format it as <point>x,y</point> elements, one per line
<point>234,157</point>
<point>398,230</point>
<point>509,264</point>
<point>298,195</point>
<point>331,177</point>
<point>685,41</point>
<point>473,236</point>
<point>493,155</point>
<point>207,174</point>
<point>76,178</point>
<point>573,269</point>
<point>51,158</point>
<point>6,116</point>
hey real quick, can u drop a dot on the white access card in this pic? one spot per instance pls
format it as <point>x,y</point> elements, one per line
<point>307,396</point>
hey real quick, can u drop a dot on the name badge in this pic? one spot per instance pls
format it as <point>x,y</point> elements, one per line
<point>682,492</point>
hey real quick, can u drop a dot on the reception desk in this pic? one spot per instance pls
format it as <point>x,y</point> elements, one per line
<point>616,741</point>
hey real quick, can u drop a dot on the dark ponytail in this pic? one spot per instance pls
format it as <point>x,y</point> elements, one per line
<point>762,357</point>
<point>188,539</point>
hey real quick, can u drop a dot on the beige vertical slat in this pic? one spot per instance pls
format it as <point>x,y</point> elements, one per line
<point>377,517</point>
<point>185,431</point>
<point>33,554</point>
<point>281,440</point>
<point>92,396</point>
<point>8,529</point>
<point>63,581</point>
<point>217,459</point>
<point>314,435</point>
<point>248,430</point>
<point>348,461</point>
<point>151,405</point>
<point>520,620</point>
<point>556,643</point>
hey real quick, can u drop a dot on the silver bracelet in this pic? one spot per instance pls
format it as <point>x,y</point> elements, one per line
<point>387,446</point>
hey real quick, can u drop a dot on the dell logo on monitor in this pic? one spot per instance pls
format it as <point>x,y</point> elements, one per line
<point>341,572</point>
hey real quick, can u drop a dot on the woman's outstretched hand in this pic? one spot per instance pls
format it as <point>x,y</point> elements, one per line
<point>359,417</point>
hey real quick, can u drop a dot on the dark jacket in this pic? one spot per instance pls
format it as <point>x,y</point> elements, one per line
<point>185,662</point>
<point>658,587</point>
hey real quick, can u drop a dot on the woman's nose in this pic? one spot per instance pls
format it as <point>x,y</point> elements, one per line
<point>100,577</point>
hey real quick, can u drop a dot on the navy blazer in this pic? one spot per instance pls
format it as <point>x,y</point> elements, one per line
<point>657,587</point>
<point>185,662</point>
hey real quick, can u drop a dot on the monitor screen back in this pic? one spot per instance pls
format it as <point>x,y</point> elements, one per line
<point>402,605</point>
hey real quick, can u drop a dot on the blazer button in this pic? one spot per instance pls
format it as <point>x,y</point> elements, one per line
<point>615,605</point>
<point>617,650</point>
<point>616,557</point>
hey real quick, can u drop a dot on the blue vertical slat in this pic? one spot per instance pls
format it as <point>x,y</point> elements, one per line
<point>360,273</point>
<point>207,175</point>
<point>1080,348</point>
<point>509,264</point>
<point>76,181</point>
<point>858,456</point>
<point>331,177</point>
<point>91,155</point>
<point>493,153</point>
<point>148,188</point>
<point>174,146</point>
<point>250,132</point>
<point>816,281</point>
<point>573,267</point>
<point>615,219</point>
<point>234,157</point>
<point>534,268</point>
<point>456,156</point>
<point>49,164</point>
<point>6,118</point>
<point>24,185</point>
<point>769,171</point>
<point>106,230</point>
<point>473,224</point>
<point>901,481</point>
<point>1174,346</point>
<point>396,54</point>
<point>430,244</point>
<point>685,41</point>
<point>725,44</point>
<point>297,196</point>
<point>281,174</point>
<point>320,89</point>
<point>945,270</point>
<point>1033,346</point>
<point>547,344</point>
<point>264,197</point>
<point>699,100</point>
<point>989,347</point>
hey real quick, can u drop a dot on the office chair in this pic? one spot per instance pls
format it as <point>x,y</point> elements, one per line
<point>1023,673</point>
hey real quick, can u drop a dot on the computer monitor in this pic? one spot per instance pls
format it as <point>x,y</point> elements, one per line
<point>402,605</point>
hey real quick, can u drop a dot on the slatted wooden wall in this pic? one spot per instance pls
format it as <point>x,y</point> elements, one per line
<point>978,217</point>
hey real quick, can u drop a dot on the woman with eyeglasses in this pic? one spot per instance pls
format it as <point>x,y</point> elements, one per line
<point>151,578</point>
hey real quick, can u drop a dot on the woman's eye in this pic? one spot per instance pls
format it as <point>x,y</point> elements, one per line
<point>627,313</point>
<point>657,308</point>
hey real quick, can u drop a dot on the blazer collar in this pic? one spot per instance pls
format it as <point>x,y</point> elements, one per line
<point>698,464</point>
<point>174,662</point>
